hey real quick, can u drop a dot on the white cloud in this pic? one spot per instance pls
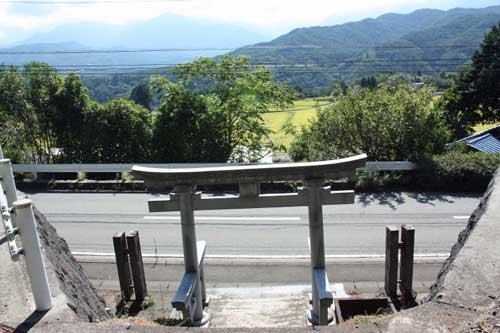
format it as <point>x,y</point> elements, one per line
<point>272,15</point>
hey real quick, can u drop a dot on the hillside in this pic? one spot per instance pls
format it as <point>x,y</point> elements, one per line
<point>389,43</point>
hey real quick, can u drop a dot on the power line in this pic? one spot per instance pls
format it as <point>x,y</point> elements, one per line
<point>229,49</point>
<point>100,73</point>
<point>274,64</point>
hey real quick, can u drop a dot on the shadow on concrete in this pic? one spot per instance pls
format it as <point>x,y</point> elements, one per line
<point>444,197</point>
<point>31,321</point>
<point>391,199</point>
<point>429,198</point>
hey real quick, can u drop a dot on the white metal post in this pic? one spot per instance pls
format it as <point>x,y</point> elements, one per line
<point>7,178</point>
<point>1,153</point>
<point>10,231</point>
<point>33,254</point>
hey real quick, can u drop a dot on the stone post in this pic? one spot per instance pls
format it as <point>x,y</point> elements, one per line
<point>406,265</point>
<point>312,188</point>
<point>391,261</point>
<point>123,265</point>
<point>184,194</point>
<point>137,266</point>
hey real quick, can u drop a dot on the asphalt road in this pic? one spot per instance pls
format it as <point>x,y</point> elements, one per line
<point>88,221</point>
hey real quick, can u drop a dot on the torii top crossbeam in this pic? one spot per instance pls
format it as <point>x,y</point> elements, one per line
<point>334,169</point>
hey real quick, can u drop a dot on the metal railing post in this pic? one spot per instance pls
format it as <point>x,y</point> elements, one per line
<point>33,254</point>
<point>184,194</point>
<point>1,152</point>
<point>7,178</point>
<point>249,190</point>
<point>10,231</point>
<point>312,188</point>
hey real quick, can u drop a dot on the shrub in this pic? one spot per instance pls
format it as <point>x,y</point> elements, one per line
<point>458,171</point>
<point>455,171</point>
<point>390,123</point>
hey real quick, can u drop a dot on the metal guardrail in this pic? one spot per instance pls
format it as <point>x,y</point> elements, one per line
<point>116,168</point>
<point>389,166</point>
<point>101,168</point>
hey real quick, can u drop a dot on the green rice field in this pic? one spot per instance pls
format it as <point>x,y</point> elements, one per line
<point>298,115</point>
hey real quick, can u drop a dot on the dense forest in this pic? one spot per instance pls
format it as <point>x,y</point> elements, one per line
<point>423,42</point>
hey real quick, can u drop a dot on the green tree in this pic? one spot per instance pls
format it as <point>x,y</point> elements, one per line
<point>72,121</point>
<point>475,97</point>
<point>238,95</point>
<point>28,100</point>
<point>41,84</point>
<point>141,95</point>
<point>390,123</point>
<point>369,82</point>
<point>122,133</point>
<point>185,130</point>
<point>11,100</point>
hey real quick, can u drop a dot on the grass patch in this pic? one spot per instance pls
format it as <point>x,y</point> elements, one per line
<point>275,121</point>
<point>304,105</point>
<point>368,319</point>
<point>302,118</point>
<point>163,321</point>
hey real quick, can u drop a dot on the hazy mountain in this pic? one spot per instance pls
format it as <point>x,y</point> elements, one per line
<point>374,45</point>
<point>163,32</point>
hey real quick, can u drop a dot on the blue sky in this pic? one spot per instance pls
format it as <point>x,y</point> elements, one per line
<point>274,17</point>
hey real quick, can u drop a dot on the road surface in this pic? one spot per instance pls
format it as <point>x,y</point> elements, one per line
<point>88,221</point>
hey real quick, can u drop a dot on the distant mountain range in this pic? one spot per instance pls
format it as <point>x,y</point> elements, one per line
<point>425,41</point>
<point>164,32</point>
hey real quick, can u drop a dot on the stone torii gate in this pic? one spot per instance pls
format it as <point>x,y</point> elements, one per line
<point>191,293</point>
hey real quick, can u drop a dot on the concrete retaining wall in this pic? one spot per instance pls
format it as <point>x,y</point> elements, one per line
<point>81,294</point>
<point>74,297</point>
